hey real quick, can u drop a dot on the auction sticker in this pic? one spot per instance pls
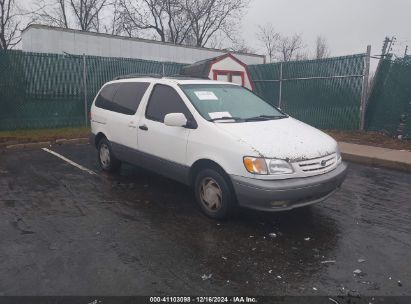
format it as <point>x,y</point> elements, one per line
<point>206,95</point>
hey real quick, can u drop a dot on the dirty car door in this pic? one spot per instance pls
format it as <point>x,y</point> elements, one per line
<point>163,148</point>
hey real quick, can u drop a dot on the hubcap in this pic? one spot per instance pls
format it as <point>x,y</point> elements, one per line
<point>104,156</point>
<point>210,194</point>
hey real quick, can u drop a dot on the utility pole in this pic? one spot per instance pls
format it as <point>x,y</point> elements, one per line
<point>392,42</point>
<point>364,93</point>
<point>85,89</point>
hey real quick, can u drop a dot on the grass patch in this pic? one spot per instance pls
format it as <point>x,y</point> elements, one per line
<point>369,138</point>
<point>38,135</point>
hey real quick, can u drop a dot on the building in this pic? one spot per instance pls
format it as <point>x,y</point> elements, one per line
<point>47,39</point>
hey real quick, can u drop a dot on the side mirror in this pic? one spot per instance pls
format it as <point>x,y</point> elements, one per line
<point>175,120</point>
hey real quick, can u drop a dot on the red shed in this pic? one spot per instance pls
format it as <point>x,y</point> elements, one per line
<point>225,68</point>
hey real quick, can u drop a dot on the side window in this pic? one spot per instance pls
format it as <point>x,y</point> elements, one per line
<point>165,100</point>
<point>105,98</point>
<point>128,97</point>
<point>122,97</point>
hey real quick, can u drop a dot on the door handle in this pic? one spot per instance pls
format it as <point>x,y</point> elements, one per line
<point>143,127</point>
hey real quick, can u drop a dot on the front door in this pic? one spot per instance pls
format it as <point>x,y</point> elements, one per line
<point>163,147</point>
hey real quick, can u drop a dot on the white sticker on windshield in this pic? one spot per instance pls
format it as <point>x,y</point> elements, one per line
<point>206,95</point>
<point>214,115</point>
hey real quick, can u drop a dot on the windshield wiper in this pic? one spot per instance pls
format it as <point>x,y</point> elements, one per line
<point>226,118</point>
<point>265,117</point>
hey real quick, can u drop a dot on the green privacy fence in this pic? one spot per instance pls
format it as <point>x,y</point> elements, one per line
<point>325,93</point>
<point>389,105</point>
<point>48,90</point>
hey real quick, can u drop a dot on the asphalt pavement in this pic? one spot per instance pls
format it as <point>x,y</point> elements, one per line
<point>65,231</point>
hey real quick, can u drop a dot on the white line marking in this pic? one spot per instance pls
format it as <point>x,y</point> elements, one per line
<point>69,161</point>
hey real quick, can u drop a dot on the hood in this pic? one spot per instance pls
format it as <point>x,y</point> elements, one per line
<point>285,138</point>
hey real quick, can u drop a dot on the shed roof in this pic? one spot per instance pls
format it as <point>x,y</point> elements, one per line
<point>202,68</point>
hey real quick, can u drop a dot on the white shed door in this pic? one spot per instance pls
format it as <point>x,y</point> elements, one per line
<point>237,79</point>
<point>222,77</point>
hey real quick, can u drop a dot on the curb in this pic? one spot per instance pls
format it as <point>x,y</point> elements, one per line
<point>43,144</point>
<point>377,162</point>
<point>29,145</point>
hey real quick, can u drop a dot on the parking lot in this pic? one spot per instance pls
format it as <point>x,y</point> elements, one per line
<point>67,231</point>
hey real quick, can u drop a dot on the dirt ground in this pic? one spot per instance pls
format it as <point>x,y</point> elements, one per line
<point>370,139</point>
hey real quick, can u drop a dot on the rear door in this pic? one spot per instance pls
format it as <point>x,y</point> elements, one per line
<point>120,102</point>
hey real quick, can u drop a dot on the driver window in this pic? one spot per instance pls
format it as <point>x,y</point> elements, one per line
<point>165,100</point>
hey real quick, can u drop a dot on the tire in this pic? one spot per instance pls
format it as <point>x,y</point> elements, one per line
<point>106,159</point>
<point>214,194</point>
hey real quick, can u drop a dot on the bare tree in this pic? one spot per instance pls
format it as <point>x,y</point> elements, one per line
<point>301,56</point>
<point>289,47</point>
<point>54,13</point>
<point>115,27</point>
<point>270,39</point>
<point>321,49</point>
<point>177,21</point>
<point>82,14</point>
<point>209,17</point>
<point>10,24</point>
<point>143,15</point>
<point>239,45</point>
<point>167,18</point>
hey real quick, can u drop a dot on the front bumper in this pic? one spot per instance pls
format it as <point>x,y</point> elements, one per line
<point>279,195</point>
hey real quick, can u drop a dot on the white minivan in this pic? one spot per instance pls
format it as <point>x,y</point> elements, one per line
<point>231,146</point>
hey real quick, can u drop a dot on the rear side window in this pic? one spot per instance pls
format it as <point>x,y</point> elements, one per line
<point>122,97</point>
<point>165,100</point>
<point>105,98</point>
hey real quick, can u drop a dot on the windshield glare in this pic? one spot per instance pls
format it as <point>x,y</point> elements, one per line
<point>217,101</point>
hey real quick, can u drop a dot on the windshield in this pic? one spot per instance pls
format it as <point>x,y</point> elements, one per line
<point>229,102</point>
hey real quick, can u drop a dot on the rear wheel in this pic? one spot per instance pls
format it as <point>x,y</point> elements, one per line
<point>106,159</point>
<point>213,194</point>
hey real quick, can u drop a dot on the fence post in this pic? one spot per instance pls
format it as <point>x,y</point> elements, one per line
<point>280,93</point>
<point>364,93</point>
<point>85,90</point>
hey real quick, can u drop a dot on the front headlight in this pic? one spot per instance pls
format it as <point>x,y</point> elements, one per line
<point>266,166</point>
<point>279,166</point>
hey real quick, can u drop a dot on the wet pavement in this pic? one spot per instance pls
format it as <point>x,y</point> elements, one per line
<point>64,231</point>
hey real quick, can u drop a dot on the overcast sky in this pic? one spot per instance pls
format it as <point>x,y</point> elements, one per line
<point>348,25</point>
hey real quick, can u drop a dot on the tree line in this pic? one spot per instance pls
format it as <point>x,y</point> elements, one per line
<point>202,23</point>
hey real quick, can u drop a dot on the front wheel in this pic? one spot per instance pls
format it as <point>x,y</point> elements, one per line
<point>106,159</point>
<point>213,194</point>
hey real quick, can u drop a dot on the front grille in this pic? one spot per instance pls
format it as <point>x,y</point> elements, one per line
<point>318,164</point>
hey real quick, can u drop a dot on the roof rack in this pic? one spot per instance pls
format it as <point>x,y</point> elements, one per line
<point>175,76</point>
<point>185,77</point>
<point>138,76</point>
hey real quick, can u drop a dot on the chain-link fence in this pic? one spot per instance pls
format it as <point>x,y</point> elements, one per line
<point>389,105</point>
<point>325,93</point>
<point>50,90</point>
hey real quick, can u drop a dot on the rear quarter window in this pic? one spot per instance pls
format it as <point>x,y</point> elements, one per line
<point>123,97</point>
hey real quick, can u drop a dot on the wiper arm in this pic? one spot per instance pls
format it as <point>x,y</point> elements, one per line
<point>225,118</point>
<point>266,117</point>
